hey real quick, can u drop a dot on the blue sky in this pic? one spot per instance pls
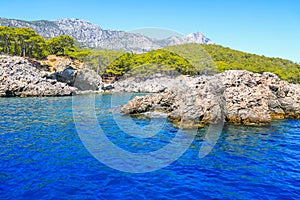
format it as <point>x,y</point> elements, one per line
<point>270,27</point>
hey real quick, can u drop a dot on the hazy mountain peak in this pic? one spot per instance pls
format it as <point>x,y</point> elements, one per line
<point>92,36</point>
<point>197,37</point>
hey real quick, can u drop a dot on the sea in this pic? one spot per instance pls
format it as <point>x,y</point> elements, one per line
<point>83,148</point>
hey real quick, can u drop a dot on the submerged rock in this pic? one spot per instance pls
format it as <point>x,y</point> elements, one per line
<point>235,96</point>
<point>18,77</point>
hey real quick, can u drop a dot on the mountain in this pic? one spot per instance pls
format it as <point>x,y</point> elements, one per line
<point>190,38</point>
<point>91,35</point>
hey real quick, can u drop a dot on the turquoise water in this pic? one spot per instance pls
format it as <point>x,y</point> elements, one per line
<point>42,157</point>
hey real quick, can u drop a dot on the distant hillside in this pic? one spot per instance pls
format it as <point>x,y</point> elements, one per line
<point>92,36</point>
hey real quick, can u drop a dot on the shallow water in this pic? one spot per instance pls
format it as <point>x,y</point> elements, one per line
<point>42,157</point>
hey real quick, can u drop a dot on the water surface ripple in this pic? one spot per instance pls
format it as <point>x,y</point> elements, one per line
<point>42,157</point>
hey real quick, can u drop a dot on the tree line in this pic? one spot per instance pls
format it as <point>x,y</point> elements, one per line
<point>26,42</point>
<point>195,59</point>
<point>192,59</point>
<point>156,61</point>
<point>226,59</point>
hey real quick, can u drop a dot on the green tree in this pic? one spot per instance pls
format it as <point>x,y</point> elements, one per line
<point>29,41</point>
<point>36,46</point>
<point>6,38</point>
<point>61,45</point>
<point>22,42</point>
<point>155,61</point>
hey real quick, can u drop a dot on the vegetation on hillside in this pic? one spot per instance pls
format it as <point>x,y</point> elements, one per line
<point>99,60</point>
<point>26,42</point>
<point>196,59</point>
<point>191,59</point>
<point>226,59</point>
<point>151,62</point>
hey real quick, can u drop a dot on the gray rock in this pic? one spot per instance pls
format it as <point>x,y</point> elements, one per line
<point>68,76</point>
<point>108,87</point>
<point>18,77</point>
<point>83,79</point>
<point>239,96</point>
<point>194,102</point>
<point>88,80</point>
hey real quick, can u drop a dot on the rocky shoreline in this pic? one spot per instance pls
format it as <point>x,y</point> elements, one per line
<point>20,77</point>
<point>234,96</point>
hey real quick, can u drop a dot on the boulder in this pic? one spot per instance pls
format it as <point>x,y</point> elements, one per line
<point>83,79</point>
<point>88,80</point>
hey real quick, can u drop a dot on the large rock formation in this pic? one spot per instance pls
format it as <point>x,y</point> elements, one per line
<point>255,99</point>
<point>19,77</point>
<point>239,97</point>
<point>23,77</point>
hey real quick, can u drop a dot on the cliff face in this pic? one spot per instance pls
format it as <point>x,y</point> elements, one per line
<point>91,35</point>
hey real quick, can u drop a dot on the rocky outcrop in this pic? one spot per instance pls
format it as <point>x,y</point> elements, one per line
<point>19,77</point>
<point>239,97</point>
<point>256,99</point>
<point>83,79</point>
<point>189,102</point>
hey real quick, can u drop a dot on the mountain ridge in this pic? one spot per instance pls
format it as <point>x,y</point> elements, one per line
<point>93,36</point>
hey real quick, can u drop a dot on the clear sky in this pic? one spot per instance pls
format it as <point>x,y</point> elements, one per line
<point>264,27</point>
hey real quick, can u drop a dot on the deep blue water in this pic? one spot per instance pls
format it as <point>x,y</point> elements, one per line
<point>42,157</point>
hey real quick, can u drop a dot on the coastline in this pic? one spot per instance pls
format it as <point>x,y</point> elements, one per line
<point>238,97</point>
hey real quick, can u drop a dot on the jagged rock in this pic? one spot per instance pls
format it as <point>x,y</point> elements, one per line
<point>258,98</point>
<point>189,104</point>
<point>18,77</point>
<point>237,96</point>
